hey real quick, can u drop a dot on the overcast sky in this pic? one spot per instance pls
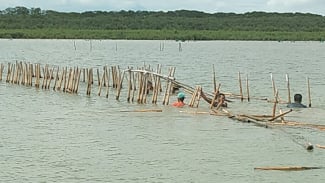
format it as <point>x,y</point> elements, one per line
<point>210,6</point>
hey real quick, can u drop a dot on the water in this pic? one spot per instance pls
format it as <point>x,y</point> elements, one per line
<point>49,136</point>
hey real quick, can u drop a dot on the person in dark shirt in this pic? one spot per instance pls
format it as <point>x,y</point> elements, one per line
<point>297,102</point>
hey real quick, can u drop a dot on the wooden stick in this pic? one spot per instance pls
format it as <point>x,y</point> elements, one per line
<point>275,103</point>
<point>120,86</point>
<point>247,88</point>
<point>101,84</point>
<point>215,96</point>
<point>240,87</point>
<point>288,87</point>
<point>214,79</point>
<point>308,90</point>
<point>287,168</point>
<point>273,84</point>
<point>280,115</point>
<point>145,110</point>
<point>107,86</point>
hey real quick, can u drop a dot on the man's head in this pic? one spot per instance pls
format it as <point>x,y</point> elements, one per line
<point>298,98</point>
<point>181,96</point>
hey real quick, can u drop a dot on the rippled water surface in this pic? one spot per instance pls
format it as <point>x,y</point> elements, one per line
<point>51,136</point>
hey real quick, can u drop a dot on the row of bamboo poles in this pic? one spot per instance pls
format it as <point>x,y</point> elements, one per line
<point>144,84</point>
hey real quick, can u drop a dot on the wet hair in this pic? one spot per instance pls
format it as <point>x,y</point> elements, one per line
<point>298,98</point>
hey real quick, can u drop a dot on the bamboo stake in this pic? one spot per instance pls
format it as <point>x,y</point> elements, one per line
<point>8,72</point>
<point>134,85</point>
<point>1,70</point>
<point>84,75</point>
<point>214,79</point>
<point>129,85</point>
<point>98,77</point>
<point>120,86</point>
<point>215,96</point>
<point>101,84</point>
<point>77,80</point>
<point>273,84</point>
<point>240,87</point>
<point>65,79</point>
<point>288,87</point>
<point>308,90</point>
<point>247,88</point>
<point>51,75</point>
<point>287,168</point>
<point>56,77</point>
<point>275,103</point>
<point>107,86</point>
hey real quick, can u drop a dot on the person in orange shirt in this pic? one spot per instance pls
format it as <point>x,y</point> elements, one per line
<point>180,100</point>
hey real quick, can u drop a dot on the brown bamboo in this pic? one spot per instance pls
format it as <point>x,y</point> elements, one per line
<point>215,96</point>
<point>56,78</point>
<point>308,91</point>
<point>240,87</point>
<point>214,79</point>
<point>129,85</point>
<point>101,84</point>
<point>98,77</point>
<point>247,89</point>
<point>287,168</point>
<point>288,88</point>
<point>1,71</point>
<point>50,78</point>
<point>273,84</point>
<point>8,72</point>
<point>108,77</point>
<point>275,103</point>
<point>120,86</point>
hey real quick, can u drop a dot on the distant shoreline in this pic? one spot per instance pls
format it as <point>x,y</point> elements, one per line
<point>145,34</point>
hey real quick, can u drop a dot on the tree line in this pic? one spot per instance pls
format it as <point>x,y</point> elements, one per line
<point>22,18</point>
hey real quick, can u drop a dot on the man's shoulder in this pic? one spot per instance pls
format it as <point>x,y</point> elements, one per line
<point>296,105</point>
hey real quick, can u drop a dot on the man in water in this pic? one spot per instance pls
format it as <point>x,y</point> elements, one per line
<point>180,100</point>
<point>297,103</point>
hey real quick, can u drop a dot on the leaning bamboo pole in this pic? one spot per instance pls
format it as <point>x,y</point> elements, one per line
<point>308,91</point>
<point>120,86</point>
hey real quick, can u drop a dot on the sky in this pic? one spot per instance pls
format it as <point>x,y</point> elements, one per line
<point>208,6</point>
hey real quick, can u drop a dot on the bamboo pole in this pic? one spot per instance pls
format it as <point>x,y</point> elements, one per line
<point>8,72</point>
<point>247,88</point>
<point>77,80</point>
<point>98,77</point>
<point>287,168</point>
<point>215,96</point>
<point>134,76</point>
<point>275,103</point>
<point>214,79</point>
<point>308,91</point>
<point>56,78</point>
<point>120,86</point>
<point>107,86</point>
<point>240,87</point>
<point>288,87</point>
<point>273,84</point>
<point>1,71</point>
<point>129,85</point>
<point>51,75</point>
<point>101,84</point>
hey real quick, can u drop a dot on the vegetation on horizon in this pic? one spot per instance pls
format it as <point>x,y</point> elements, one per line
<point>21,22</point>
